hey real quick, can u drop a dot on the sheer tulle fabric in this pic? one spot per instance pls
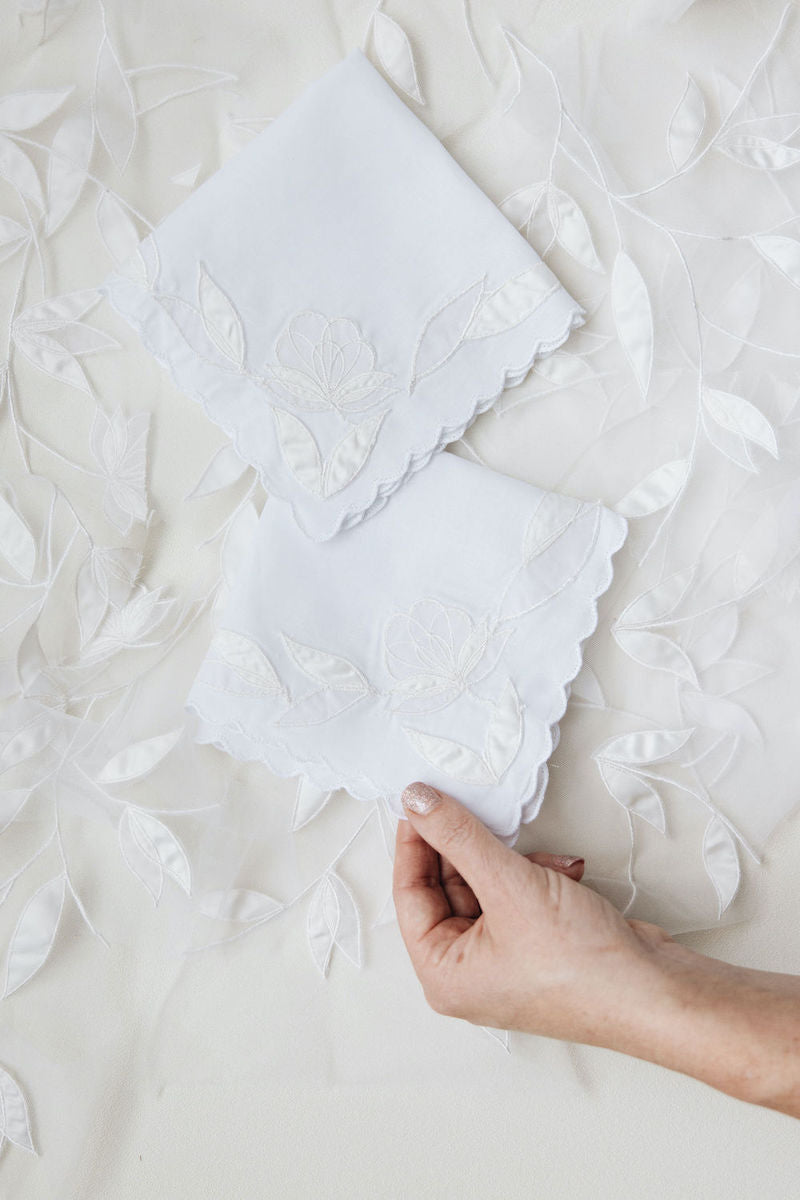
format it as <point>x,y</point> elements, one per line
<point>655,171</point>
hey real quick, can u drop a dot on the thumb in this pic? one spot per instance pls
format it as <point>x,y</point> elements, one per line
<point>457,834</point>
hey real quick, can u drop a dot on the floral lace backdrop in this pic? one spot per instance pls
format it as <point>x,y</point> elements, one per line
<point>672,221</point>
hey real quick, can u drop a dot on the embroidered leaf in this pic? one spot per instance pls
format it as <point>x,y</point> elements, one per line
<point>16,541</point>
<point>686,125</point>
<point>91,595</point>
<point>309,802</point>
<point>158,84</point>
<point>34,934</point>
<point>119,234</point>
<point>586,686</point>
<point>715,712</point>
<point>247,661</point>
<point>504,734</point>
<point>721,862</point>
<point>239,905</point>
<point>562,369</point>
<point>43,333</point>
<point>349,455</point>
<point>220,319</point>
<point>395,54</point>
<point>634,792</point>
<point>17,168</point>
<point>90,602</point>
<point>732,445</point>
<point>114,106</point>
<point>655,650</point>
<point>30,658</point>
<point>23,745</point>
<point>444,333</point>
<point>512,303</point>
<point>68,163</point>
<point>655,491</point>
<point>387,913</point>
<point>453,758</point>
<point>15,1124</point>
<point>187,178</point>
<point>333,921</point>
<point>305,391</point>
<point>224,469</point>
<point>571,230</point>
<point>22,110</point>
<point>160,845</point>
<point>540,579</point>
<point>713,635</point>
<point>139,759</point>
<point>633,317</point>
<point>142,864</point>
<point>732,674</point>
<point>644,746</point>
<point>519,206</point>
<point>318,707</point>
<point>12,237</point>
<point>56,312</point>
<point>659,601</point>
<point>761,153</point>
<point>553,516</point>
<point>361,391</point>
<point>49,356</point>
<point>130,623</point>
<point>299,449</point>
<point>740,417</point>
<point>782,252</point>
<point>119,445</point>
<point>328,669</point>
<point>12,802</point>
<point>423,693</point>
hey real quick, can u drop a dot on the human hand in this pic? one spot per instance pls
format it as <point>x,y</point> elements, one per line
<point>514,941</point>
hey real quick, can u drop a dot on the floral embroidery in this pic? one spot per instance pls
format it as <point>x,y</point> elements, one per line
<point>324,363</point>
<point>435,652</point>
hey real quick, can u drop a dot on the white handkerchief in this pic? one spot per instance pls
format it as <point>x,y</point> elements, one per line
<point>341,298</point>
<point>436,642</point>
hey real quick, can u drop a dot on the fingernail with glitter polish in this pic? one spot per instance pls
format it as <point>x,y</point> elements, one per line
<point>566,860</point>
<point>420,798</point>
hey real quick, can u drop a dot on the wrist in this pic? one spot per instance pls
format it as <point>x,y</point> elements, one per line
<point>731,1027</point>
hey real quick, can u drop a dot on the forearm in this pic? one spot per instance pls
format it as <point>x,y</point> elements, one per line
<point>731,1027</point>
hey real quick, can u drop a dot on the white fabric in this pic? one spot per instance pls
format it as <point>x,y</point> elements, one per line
<point>435,641</point>
<point>341,298</point>
<point>239,1070</point>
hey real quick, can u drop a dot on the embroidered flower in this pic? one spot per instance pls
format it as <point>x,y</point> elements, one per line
<point>435,652</point>
<point>324,363</point>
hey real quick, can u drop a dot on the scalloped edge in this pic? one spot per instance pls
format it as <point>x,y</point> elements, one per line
<point>209,732</point>
<point>415,460</point>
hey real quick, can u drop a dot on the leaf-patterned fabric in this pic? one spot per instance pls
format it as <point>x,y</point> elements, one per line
<point>653,166</point>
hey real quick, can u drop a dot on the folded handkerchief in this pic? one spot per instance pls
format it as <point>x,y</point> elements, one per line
<point>436,642</point>
<point>341,298</point>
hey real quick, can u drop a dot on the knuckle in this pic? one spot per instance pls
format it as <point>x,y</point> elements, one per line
<point>459,830</point>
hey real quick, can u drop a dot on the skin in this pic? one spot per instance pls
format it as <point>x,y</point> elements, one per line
<point>517,942</point>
